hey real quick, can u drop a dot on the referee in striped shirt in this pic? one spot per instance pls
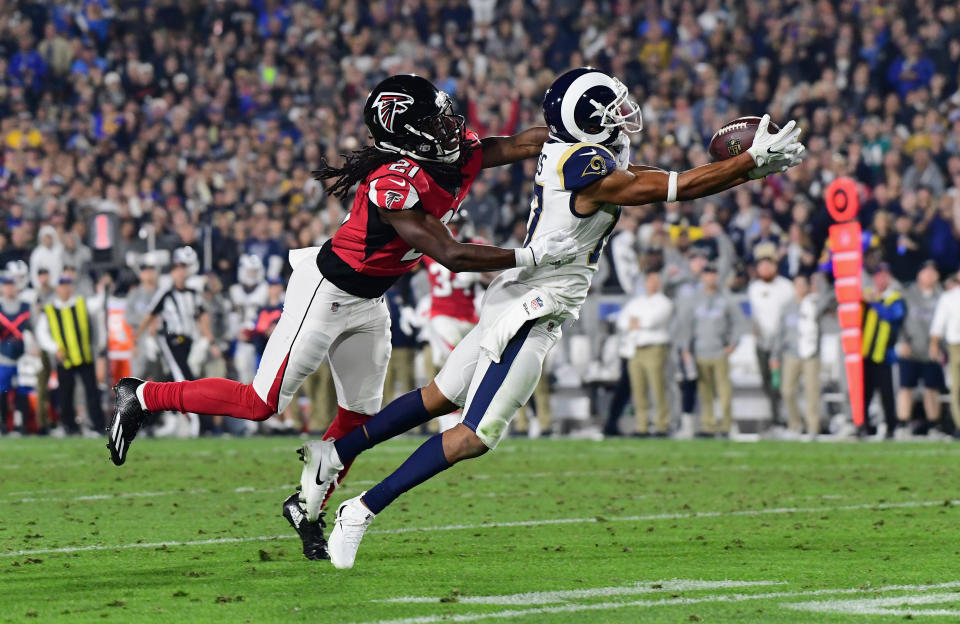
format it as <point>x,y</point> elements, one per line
<point>182,320</point>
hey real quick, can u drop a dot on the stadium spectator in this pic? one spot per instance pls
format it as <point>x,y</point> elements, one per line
<point>796,353</point>
<point>884,312</point>
<point>646,320</point>
<point>145,362</point>
<point>400,369</point>
<point>69,331</point>
<point>945,341</point>
<point>913,348</point>
<point>15,333</point>
<point>769,294</point>
<point>709,327</point>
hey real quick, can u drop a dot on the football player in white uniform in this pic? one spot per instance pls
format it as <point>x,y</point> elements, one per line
<point>583,177</point>
<point>248,295</point>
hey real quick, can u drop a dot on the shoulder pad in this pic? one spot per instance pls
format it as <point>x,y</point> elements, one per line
<point>393,192</point>
<point>584,163</point>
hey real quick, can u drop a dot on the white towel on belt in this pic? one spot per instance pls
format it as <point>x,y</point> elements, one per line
<point>296,256</point>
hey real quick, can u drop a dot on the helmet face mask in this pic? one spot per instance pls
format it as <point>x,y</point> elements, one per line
<point>586,105</point>
<point>442,134</point>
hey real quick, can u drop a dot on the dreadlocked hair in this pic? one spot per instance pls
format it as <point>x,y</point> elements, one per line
<point>358,164</point>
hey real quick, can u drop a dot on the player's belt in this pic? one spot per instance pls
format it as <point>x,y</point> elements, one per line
<point>348,279</point>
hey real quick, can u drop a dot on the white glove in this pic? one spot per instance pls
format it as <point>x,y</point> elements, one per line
<point>777,166</point>
<point>768,148</point>
<point>409,320</point>
<point>622,151</point>
<point>553,248</point>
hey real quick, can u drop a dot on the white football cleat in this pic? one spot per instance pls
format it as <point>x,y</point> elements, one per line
<point>352,521</point>
<point>321,464</point>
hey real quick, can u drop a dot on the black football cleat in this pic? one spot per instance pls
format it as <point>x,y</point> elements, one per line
<point>311,533</point>
<point>127,418</point>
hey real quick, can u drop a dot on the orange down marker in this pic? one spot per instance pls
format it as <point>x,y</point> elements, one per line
<point>847,258</point>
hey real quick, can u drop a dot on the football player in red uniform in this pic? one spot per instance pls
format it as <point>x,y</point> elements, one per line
<point>453,310</point>
<point>410,182</point>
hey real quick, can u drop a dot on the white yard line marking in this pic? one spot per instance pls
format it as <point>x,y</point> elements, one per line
<point>548,597</point>
<point>206,542</point>
<point>107,496</point>
<point>882,606</point>
<point>35,495</point>
<point>665,602</point>
<point>673,516</point>
<point>517,523</point>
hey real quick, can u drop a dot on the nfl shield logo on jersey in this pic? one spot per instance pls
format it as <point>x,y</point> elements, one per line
<point>536,304</point>
<point>334,307</point>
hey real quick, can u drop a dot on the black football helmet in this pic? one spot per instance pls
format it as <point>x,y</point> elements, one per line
<point>408,115</point>
<point>461,226</point>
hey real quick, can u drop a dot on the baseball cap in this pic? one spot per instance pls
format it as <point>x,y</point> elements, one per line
<point>882,267</point>
<point>764,251</point>
<point>274,280</point>
<point>5,279</point>
<point>65,279</point>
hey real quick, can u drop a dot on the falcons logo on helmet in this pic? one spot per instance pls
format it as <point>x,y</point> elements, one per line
<point>389,105</point>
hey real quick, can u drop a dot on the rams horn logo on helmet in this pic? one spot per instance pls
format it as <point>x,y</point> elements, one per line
<point>392,197</point>
<point>388,105</point>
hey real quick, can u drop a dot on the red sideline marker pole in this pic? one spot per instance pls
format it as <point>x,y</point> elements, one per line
<point>843,203</point>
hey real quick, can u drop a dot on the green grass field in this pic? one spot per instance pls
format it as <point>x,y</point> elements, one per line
<point>538,531</point>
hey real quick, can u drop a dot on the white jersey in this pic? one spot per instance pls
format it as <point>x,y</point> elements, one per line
<point>246,304</point>
<point>564,169</point>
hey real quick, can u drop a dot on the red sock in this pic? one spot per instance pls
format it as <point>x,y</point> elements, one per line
<point>207,396</point>
<point>345,422</point>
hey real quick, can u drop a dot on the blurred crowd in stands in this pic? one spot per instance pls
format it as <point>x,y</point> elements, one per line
<point>131,130</point>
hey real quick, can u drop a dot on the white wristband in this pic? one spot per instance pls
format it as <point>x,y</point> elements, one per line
<point>524,257</point>
<point>672,187</point>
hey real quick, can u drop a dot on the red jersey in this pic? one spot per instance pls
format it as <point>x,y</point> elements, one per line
<point>451,294</point>
<point>366,255</point>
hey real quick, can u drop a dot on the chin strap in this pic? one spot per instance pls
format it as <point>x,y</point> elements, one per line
<point>448,159</point>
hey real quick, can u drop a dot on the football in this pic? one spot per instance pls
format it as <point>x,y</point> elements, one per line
<point>736,136</point>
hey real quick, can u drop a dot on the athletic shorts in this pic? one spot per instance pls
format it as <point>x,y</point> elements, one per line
<point>492,392</point>
<point>913,371</point>
<point>319,321</point>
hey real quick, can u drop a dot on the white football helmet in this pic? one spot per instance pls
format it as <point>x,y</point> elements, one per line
<point>187,256</point>
<point>250,271</point>
<point>20,272</point>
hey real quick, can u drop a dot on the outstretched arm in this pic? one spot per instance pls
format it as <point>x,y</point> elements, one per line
<point>503,150</point>
<point>646,186</point>
<point>640,185</point>
<point>428,234</point>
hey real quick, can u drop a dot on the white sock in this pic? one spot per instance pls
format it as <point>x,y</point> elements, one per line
<point>143,403</point>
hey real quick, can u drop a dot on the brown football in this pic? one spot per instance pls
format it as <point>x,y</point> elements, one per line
<point>736,136</point>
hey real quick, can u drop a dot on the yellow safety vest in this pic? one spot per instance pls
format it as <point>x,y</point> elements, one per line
<point>71,331</point>
<point>877,334</point>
